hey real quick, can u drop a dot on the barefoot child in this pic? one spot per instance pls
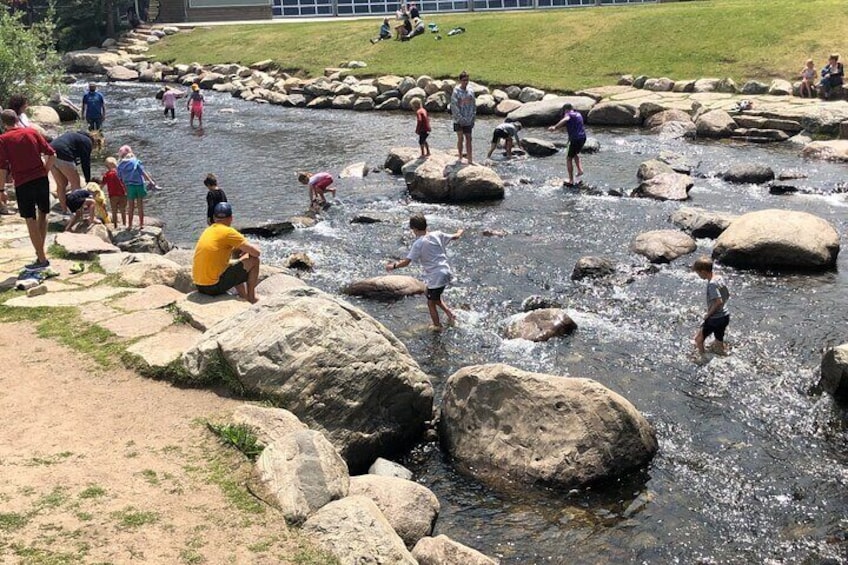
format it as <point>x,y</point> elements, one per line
<point>133,175</point>
<point>117,192</point>
<point>422,126</point>
<point>506,131</point>
<point>717,317</point>
<point>429,250</point>
<point>195,105</point>
<point>319,184</point>
<point>573,122</point>
<point>807,89</point>
<point>214,196</point>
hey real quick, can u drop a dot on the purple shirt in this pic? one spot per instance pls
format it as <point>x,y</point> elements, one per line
<point>574,126</point>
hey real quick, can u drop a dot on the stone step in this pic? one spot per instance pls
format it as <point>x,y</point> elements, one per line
<point>138,324</point>
<point>70,298</point>
<point>203,312</point>
<point>153,356</point>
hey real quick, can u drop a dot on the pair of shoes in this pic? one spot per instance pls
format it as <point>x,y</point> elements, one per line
<point>37,265</point>
<point>77,268</point>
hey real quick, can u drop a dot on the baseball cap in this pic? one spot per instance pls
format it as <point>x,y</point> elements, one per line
<point>222,210</point>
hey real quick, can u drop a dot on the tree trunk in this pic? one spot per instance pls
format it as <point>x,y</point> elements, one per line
<point>110,18</point>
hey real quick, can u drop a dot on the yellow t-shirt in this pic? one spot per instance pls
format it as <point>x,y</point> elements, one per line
<point>212,253</point>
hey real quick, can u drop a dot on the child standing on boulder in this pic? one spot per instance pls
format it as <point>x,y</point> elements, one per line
<point>422,126</point>
<point>717,317</point>
<point>429,249</point>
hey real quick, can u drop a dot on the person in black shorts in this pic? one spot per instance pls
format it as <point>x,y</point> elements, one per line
<point>717,317</point>
<point>80,202</point>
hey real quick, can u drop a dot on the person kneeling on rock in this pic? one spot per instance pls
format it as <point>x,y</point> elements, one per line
<point>212,270</point>
<point>80,202</point>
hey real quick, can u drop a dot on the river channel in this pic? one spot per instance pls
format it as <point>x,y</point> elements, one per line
<point>752,467</point>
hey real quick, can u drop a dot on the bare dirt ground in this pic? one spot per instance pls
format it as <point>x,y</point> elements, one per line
<point>103,466</point>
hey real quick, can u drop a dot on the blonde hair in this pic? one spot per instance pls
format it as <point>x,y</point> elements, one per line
<point>415,103</point>
<point>111,163</point>
<point>303,177</point>
<point>809,61</point>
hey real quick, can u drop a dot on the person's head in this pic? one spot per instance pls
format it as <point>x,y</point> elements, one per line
<point>93,187</point>
<point>92,87</point>
<point>386,21</point>
<point>195,87</point>
<point>303,177</point>
<point>418,223</point>
<point>96,138</point>
<point>463,79</point>
<point>834,57</point>
<point>211,181</point>
<point>111,163</point>
<point>223,213</point>
<point>703,267</point>
<point>9,118</point>
<point>125,152</point>
<point>567,107</point>
<point>810,64</point>
<point>18,103</point>
<point>415,103</point>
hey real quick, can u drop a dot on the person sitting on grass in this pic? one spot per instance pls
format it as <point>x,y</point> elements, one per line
<point>385,32</point>
<point>417,29</point>
<point>212,270</point>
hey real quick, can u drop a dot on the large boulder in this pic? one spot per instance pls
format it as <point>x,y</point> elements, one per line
<point>780,87</point>
<point>778,239</point>
<point>440,178</point>
<point>270,425</point>
<point>832,150</point>
<point>400,156</point>
<point>548,112</point>
<point>530,94</point>
<point>332,365</point>
<point>651,168</point>
<point>303,472</point>
<point>662,246</point>
<point>119,72</point>
<point>410,508</point>
<point>91,60</point>
<point>615,114</point>
<point>386,287</point>
<point>536,147</point>
<point>148,239</point>
<point>44,115</point>
<point>715,123</point>
<point>743,173</point>
<point>540,325</point>
<point>485,104</point>
<point>148,269</point>
<point>500,422</point>
<point>834,372</point>
<point>665,186</point>
<point>355,532</point>
<point>701,223</point>
<point>667,116</point>
<point>442,550</point>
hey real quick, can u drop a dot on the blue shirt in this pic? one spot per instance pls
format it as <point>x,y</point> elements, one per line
<point>574,126</point>
<point>93,103</point>
<point>131,172</point>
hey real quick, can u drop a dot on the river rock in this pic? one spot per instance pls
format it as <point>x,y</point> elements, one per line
<point>834,372</point>
<point>271,425</point>
<point>410,508</point>
<point>538,302</point>
<point>300,260</point>
<point>44,115</point>
<point>540,325</point>
<point>440,178</point>
<point>386,287</point>
<point>79,244</point>
<point>333,365</point>
<point>592,268</point>
<point>386,468</point>
<point>665,186</point>
<point>387,95</point>
<point>675,130</point>
<point>676,161</point>
<point>411,94</point>
<point>65,111</point>
<point>715,123</point>
<point>121,73</point>
<point>530,94</point>
<point>437,102</point>
<point>504,107</point>
<point>651,168</point>
<point>614,114</point>
<point>91,60</point>
<point>148,269</point>
<point>536,147</point>
<point>149,239</point>
<point>754,87</point>
<point>548,112</point>
<point>303,472</point>
<point>778,239</point>
<point>268,230</point>
<point>442,550</point>
<point>500,422</point>
<point>666,116</point>
<point>753,173</point>
<point>387,82</point>
<point>400,156</point>
<point>780,87</point>
<point>662,246</point>
<point>485,104</point>
<point>343,102</point>
<point>833,150</point>
<point>701,223</point>
<point>389,105</point>
<point>663,84</point>
<point>278,284</point>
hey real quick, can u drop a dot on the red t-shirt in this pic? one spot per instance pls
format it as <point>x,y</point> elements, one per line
<point>422,123</point>
<point>20,152</point>
<point>113,183</point>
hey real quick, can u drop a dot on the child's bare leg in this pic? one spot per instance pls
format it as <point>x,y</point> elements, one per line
<point>113,205</point>
<point>124,211</point>
<point>699,341</point>
<point>579,167</point>
<point>491,150</point>
<point>140,213</point>
<point>434,314</point>
<point>569,166</point>
<point>459,144</point>
<point>131,214</point>
<point>451,316</point>
<point>427,148</point>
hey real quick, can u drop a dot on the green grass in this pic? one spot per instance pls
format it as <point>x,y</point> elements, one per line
<point>560,50</point>
<point>93,491</point>
<point>130,517</point>
<point>12,521</point>
<point>239,436</point>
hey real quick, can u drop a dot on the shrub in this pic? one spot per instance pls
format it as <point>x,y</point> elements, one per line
<point>29,64</point>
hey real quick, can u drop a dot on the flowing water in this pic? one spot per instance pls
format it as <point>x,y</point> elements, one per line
<point>752,467</point>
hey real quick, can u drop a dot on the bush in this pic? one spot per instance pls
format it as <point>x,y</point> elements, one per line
<point>29,63</point>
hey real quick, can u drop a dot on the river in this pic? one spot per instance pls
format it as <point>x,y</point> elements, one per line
<point>752,467</point>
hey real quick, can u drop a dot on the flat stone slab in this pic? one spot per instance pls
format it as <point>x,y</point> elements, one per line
<point>96,312</point>
<point>204,311</point>
<point>84,244</point>
<point>70,298</point>
<point>112,262</point>
<point>87,279</point>
<point>149,298</point>
<point>11,257</point>
<point>162,349</point>
<point>138,324</point>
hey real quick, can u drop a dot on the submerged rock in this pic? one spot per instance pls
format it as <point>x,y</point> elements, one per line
<point>592,268</point>
<point>442,550</point>
<point>662,246</point>
<point>540,325</point>
<point>748,173</point>
<point>665,186</point>
<point>834,372</point>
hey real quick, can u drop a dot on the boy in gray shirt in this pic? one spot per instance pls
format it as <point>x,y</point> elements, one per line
<point>717,317</point>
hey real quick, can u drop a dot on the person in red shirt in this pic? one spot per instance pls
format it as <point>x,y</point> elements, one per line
<point>116,190</point>
<point>422,126</point>
<point>21,151</point>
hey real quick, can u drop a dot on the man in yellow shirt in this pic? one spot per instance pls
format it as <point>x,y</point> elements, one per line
<point>213,272</point>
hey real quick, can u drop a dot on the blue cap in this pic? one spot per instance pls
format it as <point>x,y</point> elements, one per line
<point>222,210</point>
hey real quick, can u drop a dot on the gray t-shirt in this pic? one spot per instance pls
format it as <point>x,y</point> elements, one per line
<point>716,288</point>
<point>429,250</point>
<point>462,105</point>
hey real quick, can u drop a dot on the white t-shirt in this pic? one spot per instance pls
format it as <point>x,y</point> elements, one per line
<point>429,250</point>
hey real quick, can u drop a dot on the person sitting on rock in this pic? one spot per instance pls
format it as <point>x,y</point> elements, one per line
<point>212,270</point>
<point>385,32</point>
<point>807,89</point>
<point>831,76</point>
<point>506,131</point>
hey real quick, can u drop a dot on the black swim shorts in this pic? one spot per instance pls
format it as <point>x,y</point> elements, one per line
<point>422,137</point>
<point>31,195</point>
<point>464,129</point>
<point>574,147</point>
<point>232,276</point>
<point>715,326</point>
<point>435,293</point>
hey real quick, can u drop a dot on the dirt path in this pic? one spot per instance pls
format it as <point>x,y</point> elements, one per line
<point>103,466</point>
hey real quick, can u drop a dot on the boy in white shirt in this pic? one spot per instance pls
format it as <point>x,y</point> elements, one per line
<point>429,249</point>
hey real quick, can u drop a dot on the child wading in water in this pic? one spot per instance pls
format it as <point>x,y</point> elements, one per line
<point>214,196</point>
<point>717,317</point>
<point>117,192</point>
<point>422,126</point>
<point>429,249</point>
<point>195,105</point>
<point>319,183</point>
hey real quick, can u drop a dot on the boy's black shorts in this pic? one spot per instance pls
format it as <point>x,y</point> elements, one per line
<point>435,293</point>
<point>715,326</point>
<point>33,195</point>
<point>422,137</point>
<point>232,276</point>
<point>575,146</point>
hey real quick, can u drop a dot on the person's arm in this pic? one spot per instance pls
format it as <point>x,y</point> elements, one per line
<point>397,264</point>
<point>103,108</point>
<point>72,221</point>
<point>457,234</point>
<point>85,163</point>
<point>715,306</point>
<point>249,249</point>
<point>48,163</point>
<point>83,107</point>
<point>560,123</point>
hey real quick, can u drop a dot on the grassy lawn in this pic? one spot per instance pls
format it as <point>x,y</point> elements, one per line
<point>553,49</point>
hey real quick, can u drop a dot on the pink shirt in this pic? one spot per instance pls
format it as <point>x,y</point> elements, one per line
<point>169,98</point>
<point>321,180</point>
